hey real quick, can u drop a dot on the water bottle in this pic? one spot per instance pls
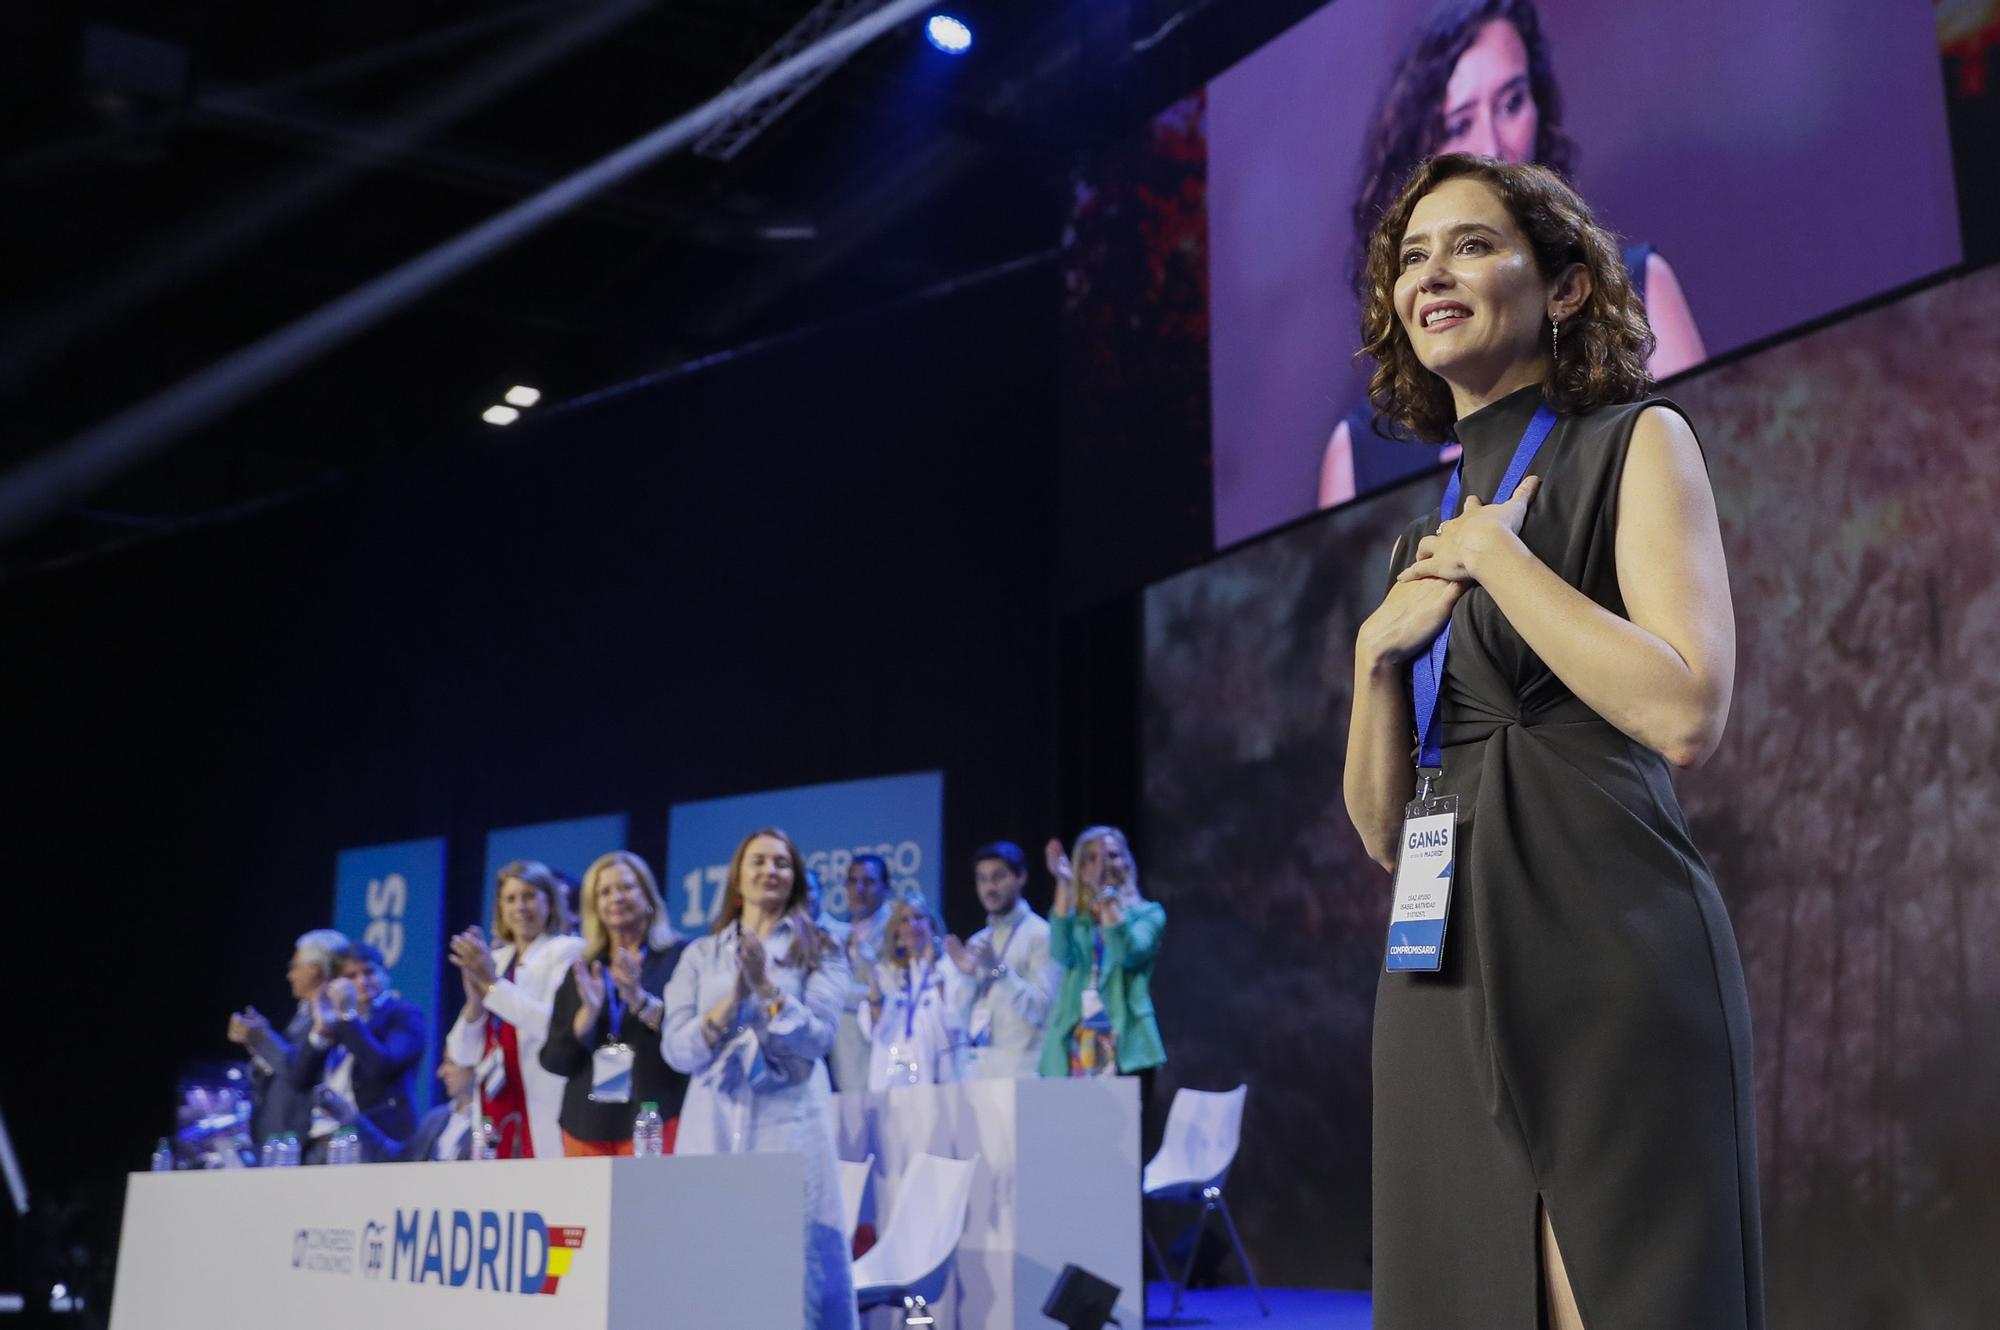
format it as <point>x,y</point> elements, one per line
<point>344,1148</point>
<point>163,1157</point>
<point>267,1156</point>
<point>649,1139</point>
<point>486,1145</point>
<point>288,1150</point>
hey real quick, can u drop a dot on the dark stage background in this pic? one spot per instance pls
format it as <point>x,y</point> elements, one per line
<point>916,541</point>
<point>1849,816</point>
<point>833,561</point>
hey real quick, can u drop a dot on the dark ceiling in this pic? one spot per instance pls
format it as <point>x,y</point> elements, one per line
<point>184,177</point>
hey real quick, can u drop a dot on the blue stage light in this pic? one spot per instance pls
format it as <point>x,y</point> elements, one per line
<point>948,34</point>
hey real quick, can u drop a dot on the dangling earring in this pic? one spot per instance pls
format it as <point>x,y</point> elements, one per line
<point>1555,337</point>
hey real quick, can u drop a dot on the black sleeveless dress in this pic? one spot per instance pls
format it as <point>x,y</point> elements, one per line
<point>1586,1046</point>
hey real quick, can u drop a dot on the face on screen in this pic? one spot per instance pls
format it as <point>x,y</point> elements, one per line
<point>1467,290</point>
<point>1489,106</point>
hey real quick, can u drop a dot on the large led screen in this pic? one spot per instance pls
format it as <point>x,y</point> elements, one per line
<point>1765,162</point>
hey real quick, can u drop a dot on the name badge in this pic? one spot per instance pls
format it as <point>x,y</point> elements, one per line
<point>1424,859</point>
<point>611,1074</point>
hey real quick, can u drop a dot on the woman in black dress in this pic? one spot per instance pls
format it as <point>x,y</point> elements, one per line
<point>1564,1127</point>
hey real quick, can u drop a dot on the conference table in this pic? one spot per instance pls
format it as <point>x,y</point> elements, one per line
<point>696,1241</point>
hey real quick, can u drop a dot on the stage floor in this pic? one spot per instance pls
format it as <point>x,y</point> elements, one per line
<point>1291,1308</point>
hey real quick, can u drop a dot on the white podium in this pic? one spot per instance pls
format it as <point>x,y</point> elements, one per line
<point>530,1243</point>
<point>1058,1184</point>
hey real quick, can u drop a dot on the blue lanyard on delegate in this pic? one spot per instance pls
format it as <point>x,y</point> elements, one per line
<point>1427,670</point>
<point>614,1005</point>
<point>913,993</point>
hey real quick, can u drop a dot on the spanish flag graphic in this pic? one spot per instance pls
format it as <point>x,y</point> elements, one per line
<point>563,1243</point>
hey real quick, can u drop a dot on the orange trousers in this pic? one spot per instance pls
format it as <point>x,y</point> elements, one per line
<point>575,1147</point>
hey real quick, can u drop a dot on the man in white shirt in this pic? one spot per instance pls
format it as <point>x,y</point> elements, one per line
<point>1003,976</point>
<point>868,906</point>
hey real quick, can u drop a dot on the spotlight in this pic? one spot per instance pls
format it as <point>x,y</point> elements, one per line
<point>499,415</point>
<point>948,34</point>
<point>522,395</point>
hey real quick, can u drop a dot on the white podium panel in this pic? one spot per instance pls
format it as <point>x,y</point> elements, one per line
<point>684,1241</point>
<point>1058,1184</point>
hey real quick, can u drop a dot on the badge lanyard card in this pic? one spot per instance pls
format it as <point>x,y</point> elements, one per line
<point>611,1065</point>
<point>1426,849</point>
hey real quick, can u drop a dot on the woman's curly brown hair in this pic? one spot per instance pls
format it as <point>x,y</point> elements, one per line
<point>1605,344</point>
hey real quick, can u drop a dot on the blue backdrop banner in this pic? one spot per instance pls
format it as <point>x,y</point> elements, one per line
<point>567,846</point>
<point>900,818</point>
<point>393,896</point>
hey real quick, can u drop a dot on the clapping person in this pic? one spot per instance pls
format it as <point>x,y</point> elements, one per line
<point>1003,975</point>
<point>279,1107</point>
<point>364,1043</point>
<point>509,994</point>
<point>914,1029</point>
<point>868,902</point>
<point>604,1033</point>
<point>751,1012</point>
<point>1105,936</point>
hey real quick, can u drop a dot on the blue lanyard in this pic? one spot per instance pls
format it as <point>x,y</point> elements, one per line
<point>912,990</point>
<point>614,1005</point>
<point>1427,670</point>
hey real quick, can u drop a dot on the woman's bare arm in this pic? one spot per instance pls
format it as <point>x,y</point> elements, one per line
<point>1664,674</point>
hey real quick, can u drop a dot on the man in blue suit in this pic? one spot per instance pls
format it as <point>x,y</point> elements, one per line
<point>365,1041</point>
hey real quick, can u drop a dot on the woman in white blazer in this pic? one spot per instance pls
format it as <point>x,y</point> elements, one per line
<point>509,991</point>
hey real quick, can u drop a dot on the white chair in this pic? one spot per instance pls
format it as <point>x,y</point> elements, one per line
<point>1204,1128</point>
<point>911,1262</point>
<point>853,1188</point>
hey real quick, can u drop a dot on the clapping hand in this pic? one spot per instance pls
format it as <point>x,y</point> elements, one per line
<point>589,976</point>
<point>246,1025</point>
<point>473,958</point>
<point>983,959</point>
<point>961,955</point>
<point>345,997</point>
<point>333,1105</point>
<point>325,1014</point>
<point>1109,909</point>
<point>1065,876</point>
<point>751,963</point>
<point>625,973</point>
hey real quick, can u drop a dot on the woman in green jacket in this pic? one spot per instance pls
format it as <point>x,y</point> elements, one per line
<point>1105,936</point>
